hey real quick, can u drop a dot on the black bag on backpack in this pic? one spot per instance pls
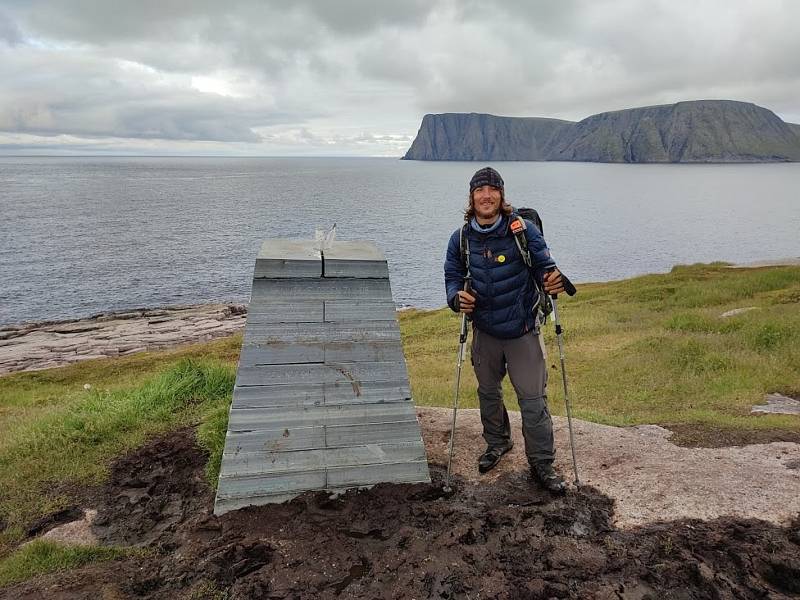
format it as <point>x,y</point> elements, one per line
<point>531,215</point>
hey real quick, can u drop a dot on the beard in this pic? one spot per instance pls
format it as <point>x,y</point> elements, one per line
<point>487,214</point>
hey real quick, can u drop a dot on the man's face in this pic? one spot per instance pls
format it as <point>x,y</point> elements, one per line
<point>486,202</point>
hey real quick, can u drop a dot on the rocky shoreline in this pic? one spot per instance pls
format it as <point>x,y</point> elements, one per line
<point>47,344</point>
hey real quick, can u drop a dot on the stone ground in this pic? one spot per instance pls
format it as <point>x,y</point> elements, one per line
<point>43,345</point>
<point>648,477</point>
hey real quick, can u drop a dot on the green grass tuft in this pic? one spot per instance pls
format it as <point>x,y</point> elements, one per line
<point>211,437</point>
<point>768,336</point>
<point>42,556</point>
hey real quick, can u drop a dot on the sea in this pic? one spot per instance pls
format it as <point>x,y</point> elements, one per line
<point>85,235</point>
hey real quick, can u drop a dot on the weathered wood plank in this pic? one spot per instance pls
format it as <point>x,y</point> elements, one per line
<point>299,311</point>
<point>300,333</point>
<point>367,391</point>
<point>354,259</point>
<point>357,476</point>
<point>372,433</point>
<point>272,484</point>
<point>252,419</point>
<point>288,258</point>
<point>275,440</point>
<point>320,289</point>
<point>224,505</point>
<point>352,352</point>
<point>293,394</point>
<point>255,463</point>
<point>354,373</point>
<point>314,438</point>
<point>279,353</point>
<point>250,491</point>
<point>360,310</point>
<point>304,394</point>
<point>311,311</point>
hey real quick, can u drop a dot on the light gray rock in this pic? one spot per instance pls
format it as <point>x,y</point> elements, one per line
<point>778,404</point>
<point>34,346</point>
<point>737,311</point>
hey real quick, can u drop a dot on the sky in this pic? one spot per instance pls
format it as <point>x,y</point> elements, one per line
<point>355,77</point>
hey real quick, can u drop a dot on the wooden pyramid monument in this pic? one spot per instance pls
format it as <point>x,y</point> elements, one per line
<point>322,400</point>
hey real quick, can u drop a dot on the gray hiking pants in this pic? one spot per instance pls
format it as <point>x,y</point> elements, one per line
<point>524,359</point>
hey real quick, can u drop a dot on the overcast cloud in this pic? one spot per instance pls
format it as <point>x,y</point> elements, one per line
<point>355,77</point>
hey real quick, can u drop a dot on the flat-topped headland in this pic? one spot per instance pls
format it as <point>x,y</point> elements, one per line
<point>698,131</point>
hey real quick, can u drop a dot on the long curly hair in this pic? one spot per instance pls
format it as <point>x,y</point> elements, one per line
<point>505,208</point>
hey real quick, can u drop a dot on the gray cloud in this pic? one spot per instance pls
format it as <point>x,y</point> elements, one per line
<point>357,75</point>
<point>9,32</point>
<point>106,22</point>
<point>90,96</point>
<point>360,16</point>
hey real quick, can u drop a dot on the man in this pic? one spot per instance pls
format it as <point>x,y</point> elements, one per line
<point>505,323</point>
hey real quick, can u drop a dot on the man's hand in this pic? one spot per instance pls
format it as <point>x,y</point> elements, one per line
<point>465,302</point>
<point>553,284</point>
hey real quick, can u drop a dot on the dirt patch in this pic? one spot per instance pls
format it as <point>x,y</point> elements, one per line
<point>152,491</point>
<point>499,538</point>
<point>697,436</point>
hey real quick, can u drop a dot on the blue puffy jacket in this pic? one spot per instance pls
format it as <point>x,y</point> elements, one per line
<point>501,282</point>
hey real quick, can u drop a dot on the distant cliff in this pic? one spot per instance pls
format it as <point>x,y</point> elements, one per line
<point>697,131</point>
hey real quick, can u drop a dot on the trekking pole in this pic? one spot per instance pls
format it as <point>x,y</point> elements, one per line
<point>462,344</point>
<point>566,394</point>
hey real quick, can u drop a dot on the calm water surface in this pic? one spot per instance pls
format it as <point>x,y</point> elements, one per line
<point>84,235</point>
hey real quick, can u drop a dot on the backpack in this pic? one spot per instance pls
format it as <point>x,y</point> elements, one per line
<point>542,304</point>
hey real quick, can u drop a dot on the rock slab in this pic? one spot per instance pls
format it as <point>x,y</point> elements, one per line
<point>44,345</point>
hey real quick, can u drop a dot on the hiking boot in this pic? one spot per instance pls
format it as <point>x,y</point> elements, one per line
<point>546,476</point>
<point>491,457</point>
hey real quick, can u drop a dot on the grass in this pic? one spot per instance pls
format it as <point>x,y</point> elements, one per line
<point>651,349</point>
<point>42,556</point>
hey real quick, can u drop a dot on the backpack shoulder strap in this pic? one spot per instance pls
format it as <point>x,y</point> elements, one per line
<point>541,302</point>
<point>518,228</point>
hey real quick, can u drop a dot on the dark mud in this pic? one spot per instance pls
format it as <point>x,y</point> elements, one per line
<point>507,540</point>
<point>48,522</point>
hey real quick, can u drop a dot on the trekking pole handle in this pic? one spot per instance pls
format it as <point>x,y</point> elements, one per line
<point>467,288</point>
<point>569,287</point>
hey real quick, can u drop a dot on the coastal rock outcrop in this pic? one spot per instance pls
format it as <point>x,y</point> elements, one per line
<point>695,131</point>
<point>43,345</point>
